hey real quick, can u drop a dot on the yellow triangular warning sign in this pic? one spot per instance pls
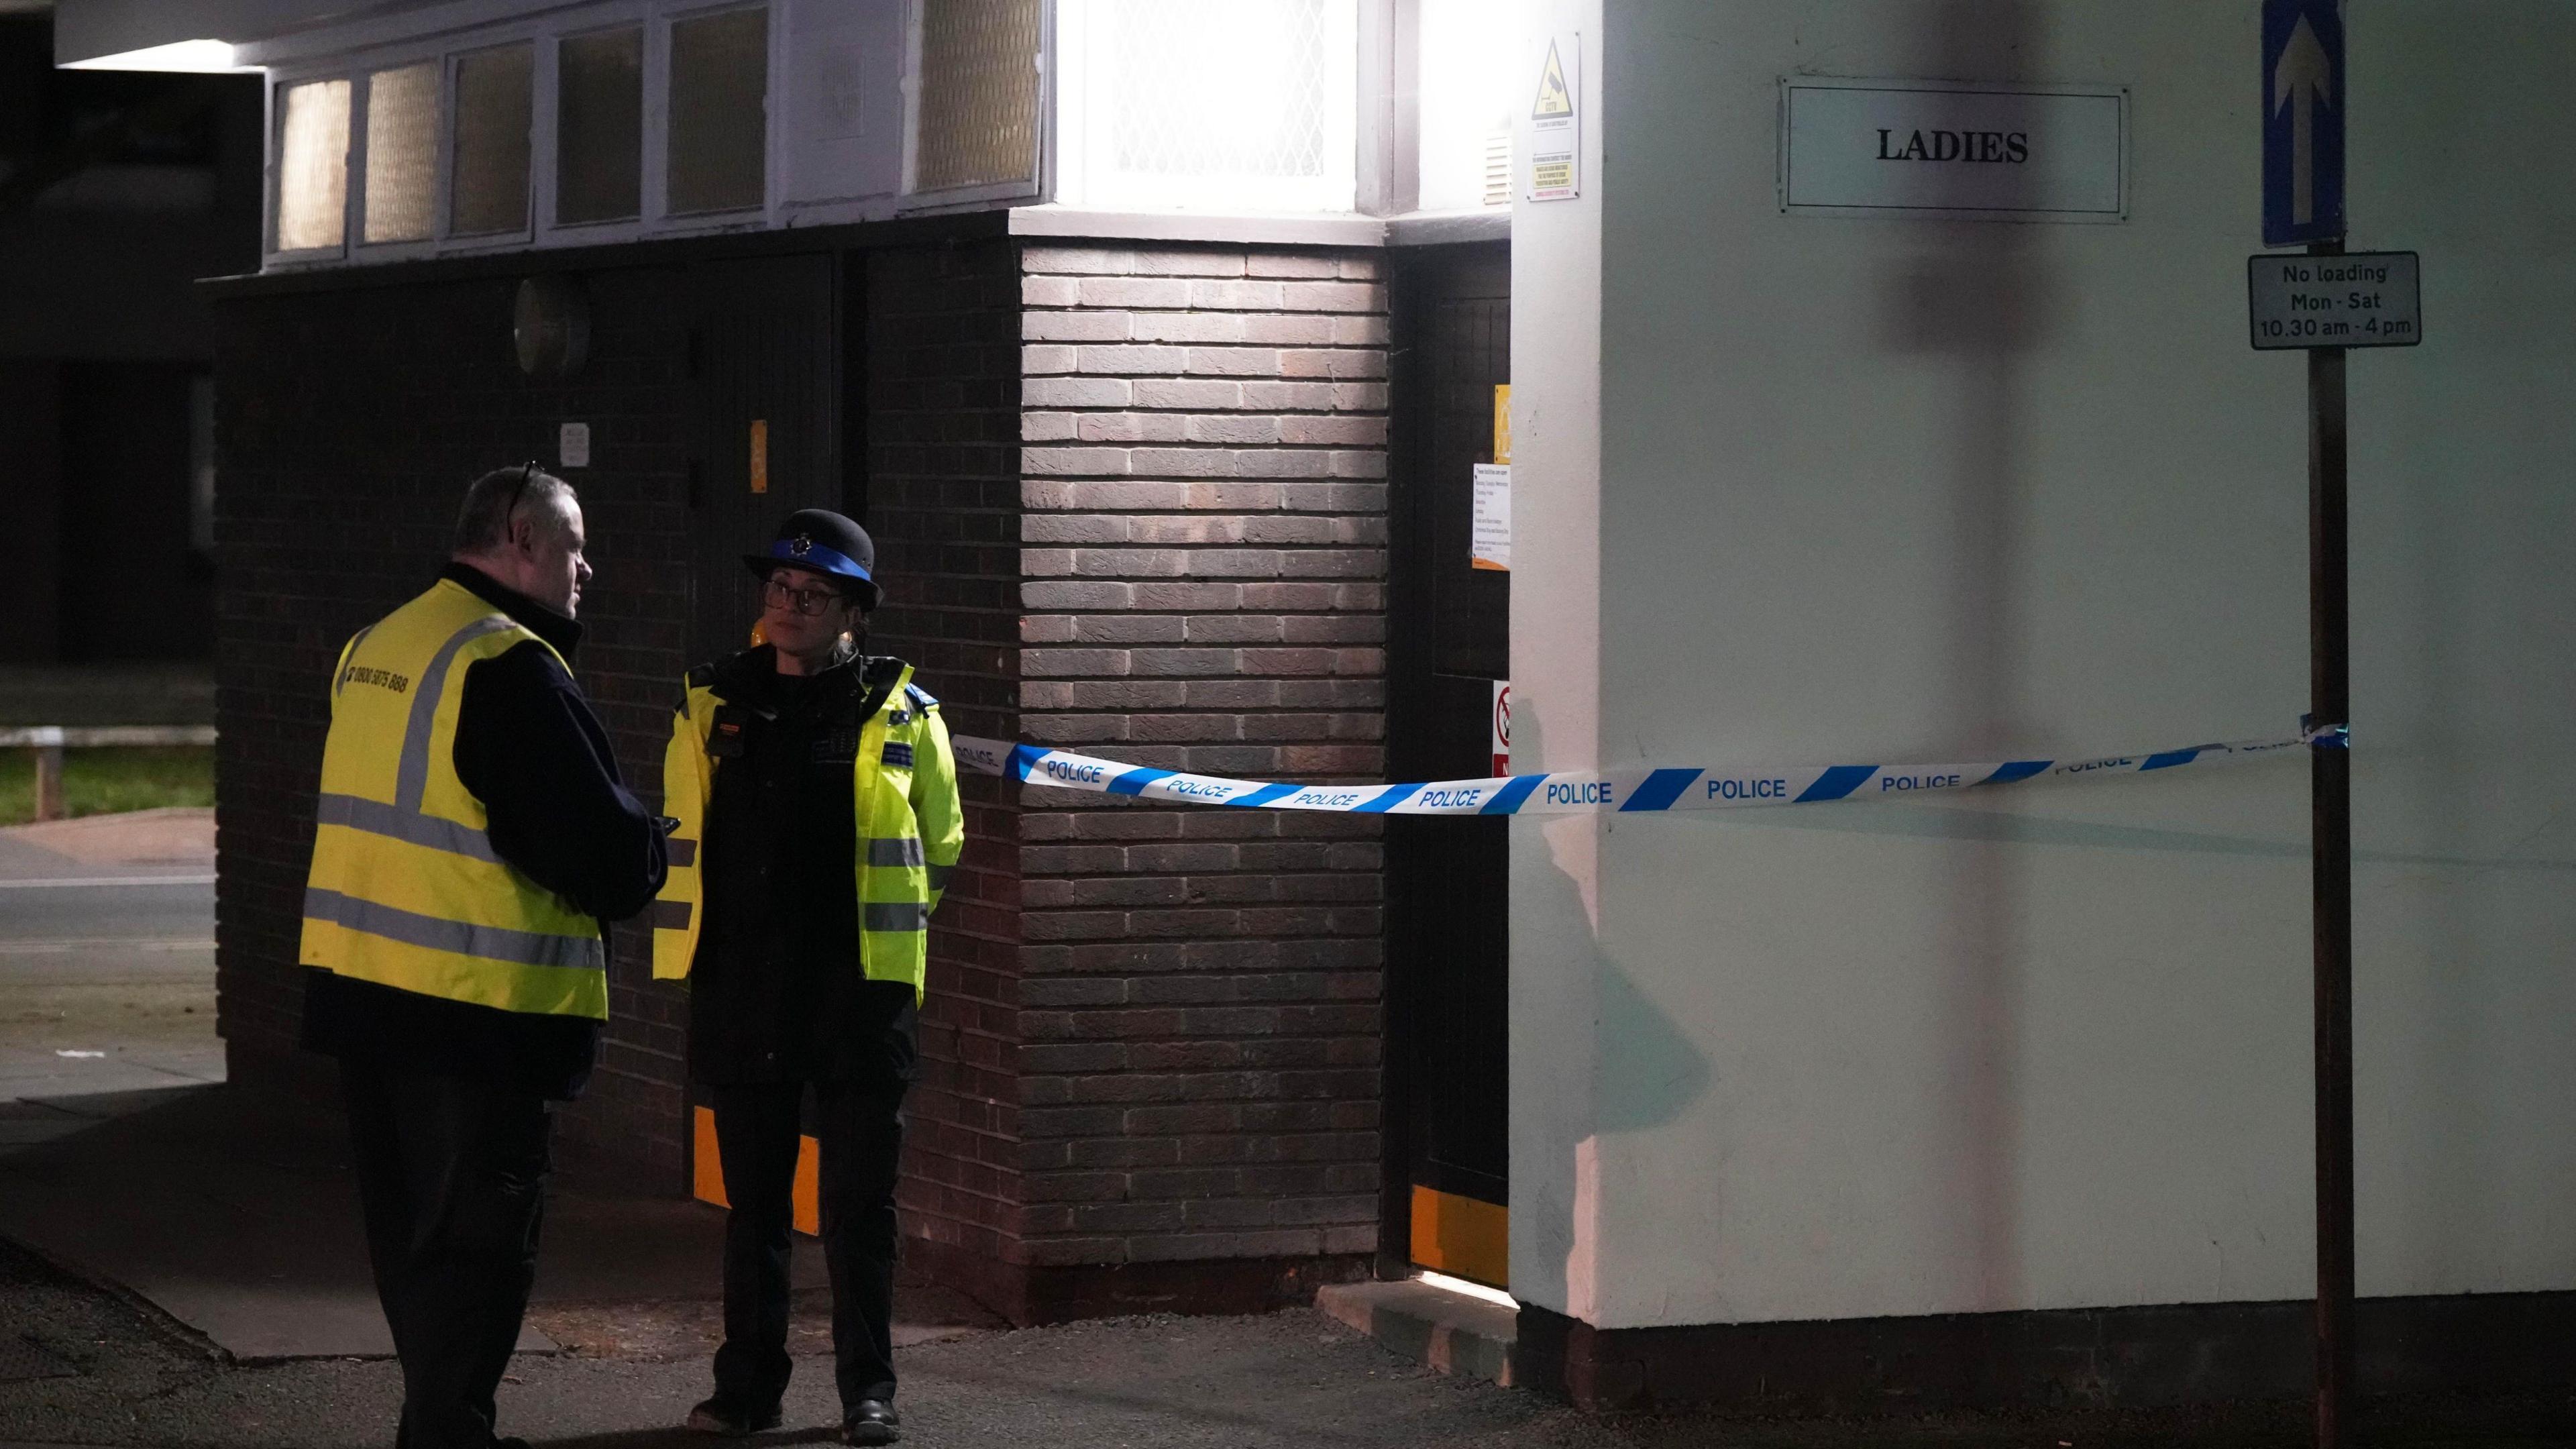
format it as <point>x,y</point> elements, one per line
<point>1553,99</point>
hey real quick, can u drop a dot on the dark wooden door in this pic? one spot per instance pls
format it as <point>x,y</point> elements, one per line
<point>1449,641</point>
<point>764,353</point>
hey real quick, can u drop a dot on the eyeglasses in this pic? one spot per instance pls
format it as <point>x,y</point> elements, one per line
<point>804,601</point>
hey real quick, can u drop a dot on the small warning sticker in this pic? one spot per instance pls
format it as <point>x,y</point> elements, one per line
<point>1555,122</point>
<point>1553,98</point>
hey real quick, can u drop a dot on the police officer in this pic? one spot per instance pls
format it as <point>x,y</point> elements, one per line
<point>818,821</point>
<point>471,835</point>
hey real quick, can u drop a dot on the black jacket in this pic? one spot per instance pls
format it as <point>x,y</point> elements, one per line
<point>529,748</point>
<point>776,992</point>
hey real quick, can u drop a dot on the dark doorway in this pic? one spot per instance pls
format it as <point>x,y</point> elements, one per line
<point>1449,627</point>
<point>765,354</point>
<point>774,358</point>
<point>134,435</point>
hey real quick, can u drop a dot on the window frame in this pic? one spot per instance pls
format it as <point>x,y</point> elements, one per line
<point>361,108</point>
<point>274,172</point>
<point>596,20</point>
<point>1084,34</point>
<point>540,138</point>
<point>659,219</point>
<point>1039,186</point>
<point>356,55</point>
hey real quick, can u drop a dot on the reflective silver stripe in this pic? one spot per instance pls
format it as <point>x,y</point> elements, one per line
<point>411,776</point>
<point>894,852</point>
<point>939,876</point>
<point>375,817</point>
<point>670,915</point>
<point>681,851</point>
<point>895,916</point>
<point>463,938</point>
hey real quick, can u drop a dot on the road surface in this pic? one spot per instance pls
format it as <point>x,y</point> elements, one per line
<point>107,969</point>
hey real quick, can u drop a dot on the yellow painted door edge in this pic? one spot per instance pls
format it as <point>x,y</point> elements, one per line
<point>707,1184</point>
<point>1462,1237</point>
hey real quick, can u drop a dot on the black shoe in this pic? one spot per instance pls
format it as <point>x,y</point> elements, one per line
<point>731,1417</point>
<point>874,1421</point>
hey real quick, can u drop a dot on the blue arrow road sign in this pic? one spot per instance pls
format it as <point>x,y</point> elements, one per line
<point>2303,113</point>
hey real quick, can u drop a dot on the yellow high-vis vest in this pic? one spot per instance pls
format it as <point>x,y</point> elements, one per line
<point>406,890</point>
<point>911,830</point>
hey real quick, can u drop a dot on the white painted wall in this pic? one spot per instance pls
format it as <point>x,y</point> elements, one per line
<point>1846,490</point>
<point>1557,604</point>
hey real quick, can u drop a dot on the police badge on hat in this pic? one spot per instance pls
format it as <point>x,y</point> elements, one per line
<point>827,543</point>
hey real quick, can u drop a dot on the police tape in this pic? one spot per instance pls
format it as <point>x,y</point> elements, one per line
<point>1568,792</point>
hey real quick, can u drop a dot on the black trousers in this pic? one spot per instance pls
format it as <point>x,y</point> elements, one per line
<point>859,1127</point>
<point>451,1175</point>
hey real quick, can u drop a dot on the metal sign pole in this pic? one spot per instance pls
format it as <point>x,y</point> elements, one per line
<point>2330,766</point>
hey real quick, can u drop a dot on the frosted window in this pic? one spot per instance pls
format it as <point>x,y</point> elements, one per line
<point>979,93</point>
<point>1236,89</point>
<point>402,153</point>
<point>599,127</point>
<point>491,166</point>
<point>313,166</point>
<point>719,111</point>
<point>1477,74</point>
<point>1248,104</point>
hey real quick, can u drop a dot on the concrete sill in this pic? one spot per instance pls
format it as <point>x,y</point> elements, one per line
<point>1448,1331</point>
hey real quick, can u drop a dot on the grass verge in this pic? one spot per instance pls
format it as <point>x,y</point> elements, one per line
<point>104,781</point>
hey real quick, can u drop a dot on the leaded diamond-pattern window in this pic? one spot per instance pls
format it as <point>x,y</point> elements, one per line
<point>1231,89</point>
<point>312,165</point>
<point>402,153</point>
<point>978,115</point>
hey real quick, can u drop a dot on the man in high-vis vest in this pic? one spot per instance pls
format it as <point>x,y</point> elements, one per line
<point>471,836</point>
<point>816,797</point>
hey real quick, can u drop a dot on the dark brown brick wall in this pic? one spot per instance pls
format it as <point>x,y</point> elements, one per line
<point>943,391</point>
<point>1205,558</point>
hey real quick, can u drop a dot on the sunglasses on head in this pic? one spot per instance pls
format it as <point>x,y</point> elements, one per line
<point>519,490</point>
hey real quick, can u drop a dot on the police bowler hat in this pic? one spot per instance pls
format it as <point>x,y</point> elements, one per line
<point>828,544</point>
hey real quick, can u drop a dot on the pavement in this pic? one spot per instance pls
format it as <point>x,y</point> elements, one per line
<point>180,1265</point>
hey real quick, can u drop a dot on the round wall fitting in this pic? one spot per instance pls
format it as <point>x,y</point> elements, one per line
<point>550,325</point>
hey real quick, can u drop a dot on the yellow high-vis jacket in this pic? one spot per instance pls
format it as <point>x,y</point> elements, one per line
<point>405,889</point>
<point>911,829</point>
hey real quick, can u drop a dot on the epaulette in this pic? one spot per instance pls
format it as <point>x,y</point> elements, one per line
<point>714,674</point>
<point>921,698</point>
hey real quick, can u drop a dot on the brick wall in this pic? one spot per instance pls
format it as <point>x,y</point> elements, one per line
<point>1204,560</point>
<point>348,422</point>
<point>1132,499</point>
<point>943,387</point>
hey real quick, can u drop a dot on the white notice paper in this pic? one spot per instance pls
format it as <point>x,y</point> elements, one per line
<point>1490,535</point>
<point>572,446</point>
